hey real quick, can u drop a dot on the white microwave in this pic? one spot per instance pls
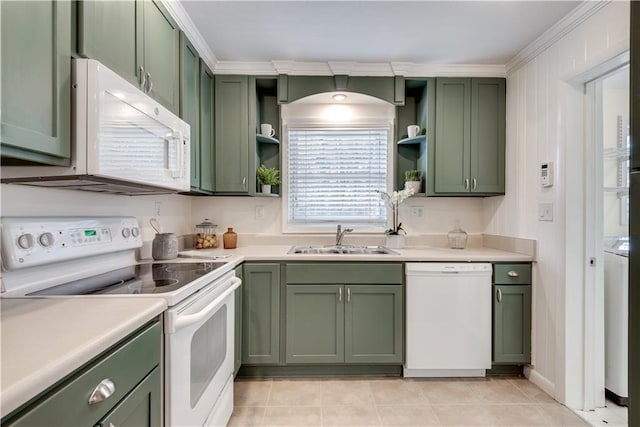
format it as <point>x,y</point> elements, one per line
<point>123,141</point>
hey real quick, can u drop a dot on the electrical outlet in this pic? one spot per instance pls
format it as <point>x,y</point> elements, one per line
<point>156,210</point>
<point>259,214</point>
<point>416,211</point>
<point>545,211</point>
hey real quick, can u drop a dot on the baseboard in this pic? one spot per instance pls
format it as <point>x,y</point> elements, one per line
<point>539,380</point>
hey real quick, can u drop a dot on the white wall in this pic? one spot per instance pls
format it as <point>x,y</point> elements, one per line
<point>544,123</point>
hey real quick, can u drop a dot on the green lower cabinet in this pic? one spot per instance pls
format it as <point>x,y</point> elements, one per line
<point>141,407</point>
<point>511,324</point>
<point>261,314</point>
<point>237,360</point>
<point>315,324</point>
<point>373,324</point>
<point>36,81</point>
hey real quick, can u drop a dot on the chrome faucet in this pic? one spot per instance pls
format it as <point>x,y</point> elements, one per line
<point>340,234</point>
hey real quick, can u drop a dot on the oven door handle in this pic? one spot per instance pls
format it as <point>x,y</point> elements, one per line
<point>190,319</point>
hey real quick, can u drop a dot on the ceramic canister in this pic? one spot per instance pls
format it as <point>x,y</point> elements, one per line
<point>164,246</point>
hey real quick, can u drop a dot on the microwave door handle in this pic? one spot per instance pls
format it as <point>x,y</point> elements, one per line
<point>190,319</point>
<point>176,137</point>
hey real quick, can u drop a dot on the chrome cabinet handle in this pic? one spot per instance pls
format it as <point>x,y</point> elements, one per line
<point>474,184</point>
<point>339,294</point>
<point>348,294</point>
<point>102,391</point>
<point>244,181</point>
<point>149,83</point>
<point>466,183</point>
<point>513,273</point>
<point>142,78</point>
<point>499,295</point>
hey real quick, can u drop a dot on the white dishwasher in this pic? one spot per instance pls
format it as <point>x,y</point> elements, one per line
<point>448,319</point>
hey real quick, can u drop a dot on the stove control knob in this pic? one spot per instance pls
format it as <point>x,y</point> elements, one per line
<point>135,231</point>
<point>126,232</point>
<point>46,239</point>
<point>25,241</point>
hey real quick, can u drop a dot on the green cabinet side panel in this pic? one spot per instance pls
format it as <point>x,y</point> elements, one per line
<point>261,314</point>
<point>36,76</point>
<point>207,176</point>
<point>231,134</point>
<point>512,324</point>
<point>314,324</point>
<point>453,137</point>
<point>512,274</point>
<point>374,324</point>
<point>237,362</point>
<point>487,135</point>
<point>190,101</point>
<point>161,41</point>
<point>141,407</point>
<point>341,273</point>
<point>98,40</point>
<point>126,366</point>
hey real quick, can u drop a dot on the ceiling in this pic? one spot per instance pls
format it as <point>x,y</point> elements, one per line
<point>426,32</point>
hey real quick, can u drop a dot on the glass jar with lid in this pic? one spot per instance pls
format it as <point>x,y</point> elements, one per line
<point>206,237</point>
<point>457,237</point>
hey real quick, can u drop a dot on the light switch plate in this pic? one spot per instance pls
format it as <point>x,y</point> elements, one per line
<point>259,214</point>
<point>545,211</point>
<point>416,211</point>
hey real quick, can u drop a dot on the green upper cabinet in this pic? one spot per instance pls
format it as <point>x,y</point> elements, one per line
<point>469,146</point>
<point>207,177</point>
<point>190,102</point>
<point>36,75</point>
<point>232,133</point>
<point>145,48</point>
<point>98,40</point>
<point>160,38</point>
<point>261,314</point>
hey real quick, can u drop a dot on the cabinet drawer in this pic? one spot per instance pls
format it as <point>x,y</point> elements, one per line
<point>512,274</point>
<point>352,273</point>
<point>125,366</point>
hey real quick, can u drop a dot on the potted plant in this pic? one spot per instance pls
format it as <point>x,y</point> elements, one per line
<point>267,177</point>
<point>395,239</point>
<point>412,179</point>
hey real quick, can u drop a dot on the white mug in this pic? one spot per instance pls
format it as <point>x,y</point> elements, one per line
<point>267,130</point>
<point>413,131</point>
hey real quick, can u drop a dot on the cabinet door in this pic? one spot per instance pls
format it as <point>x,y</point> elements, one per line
<point>261,314</point>
<point>98,40</point>
<point>373,324</point>
<point>231,133</point>
<point>190,101</point>
<point>487,135</point>
<point>206,129</point>
<point>453,137</point>
<point>315,324</point>
<point>512,324</point>
<point>36,75</point>
<point>160,41</point>
<point>139,408</point>
<point>238,324</point>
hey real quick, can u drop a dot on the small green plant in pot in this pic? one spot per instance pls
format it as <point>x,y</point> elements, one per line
<point>412,180</point>
<point>267,177</point>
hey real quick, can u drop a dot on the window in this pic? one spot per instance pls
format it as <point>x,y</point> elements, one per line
<point>333,176</point>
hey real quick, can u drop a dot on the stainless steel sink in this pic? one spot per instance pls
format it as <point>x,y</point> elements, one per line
<point>345,250</point>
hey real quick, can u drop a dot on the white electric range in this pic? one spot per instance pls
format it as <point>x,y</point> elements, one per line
<point>91,257</point>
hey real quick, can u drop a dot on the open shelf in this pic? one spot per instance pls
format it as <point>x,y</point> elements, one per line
<point>263,139</point>
<point>415,140</point>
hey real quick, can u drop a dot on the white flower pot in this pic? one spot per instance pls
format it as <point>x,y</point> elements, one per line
<point>415,185</point>
<point>395,241</point>
<point>266,189</point>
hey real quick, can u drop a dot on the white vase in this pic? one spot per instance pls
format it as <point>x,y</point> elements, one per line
<point>415,185</point>
<point>395,241</point>
<point>266,189</point>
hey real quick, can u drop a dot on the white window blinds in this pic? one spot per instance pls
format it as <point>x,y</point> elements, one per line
<point>333,175</point>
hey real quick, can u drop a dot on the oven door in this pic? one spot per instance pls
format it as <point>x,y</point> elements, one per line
<point>199,352</point>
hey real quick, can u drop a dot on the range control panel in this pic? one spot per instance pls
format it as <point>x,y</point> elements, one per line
<point>32,241</point>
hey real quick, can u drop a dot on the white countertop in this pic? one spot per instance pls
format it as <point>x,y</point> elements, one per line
<point>42,340</point>
<point>408,254</point>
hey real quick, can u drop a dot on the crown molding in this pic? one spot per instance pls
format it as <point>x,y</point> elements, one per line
<point>561,28</point>
<point>186,25</point>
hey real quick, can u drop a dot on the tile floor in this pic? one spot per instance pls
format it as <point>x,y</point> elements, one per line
<point>611,415</point>
<point>396,402</point>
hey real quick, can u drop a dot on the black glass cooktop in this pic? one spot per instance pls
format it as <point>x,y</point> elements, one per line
<point>136,279</point>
